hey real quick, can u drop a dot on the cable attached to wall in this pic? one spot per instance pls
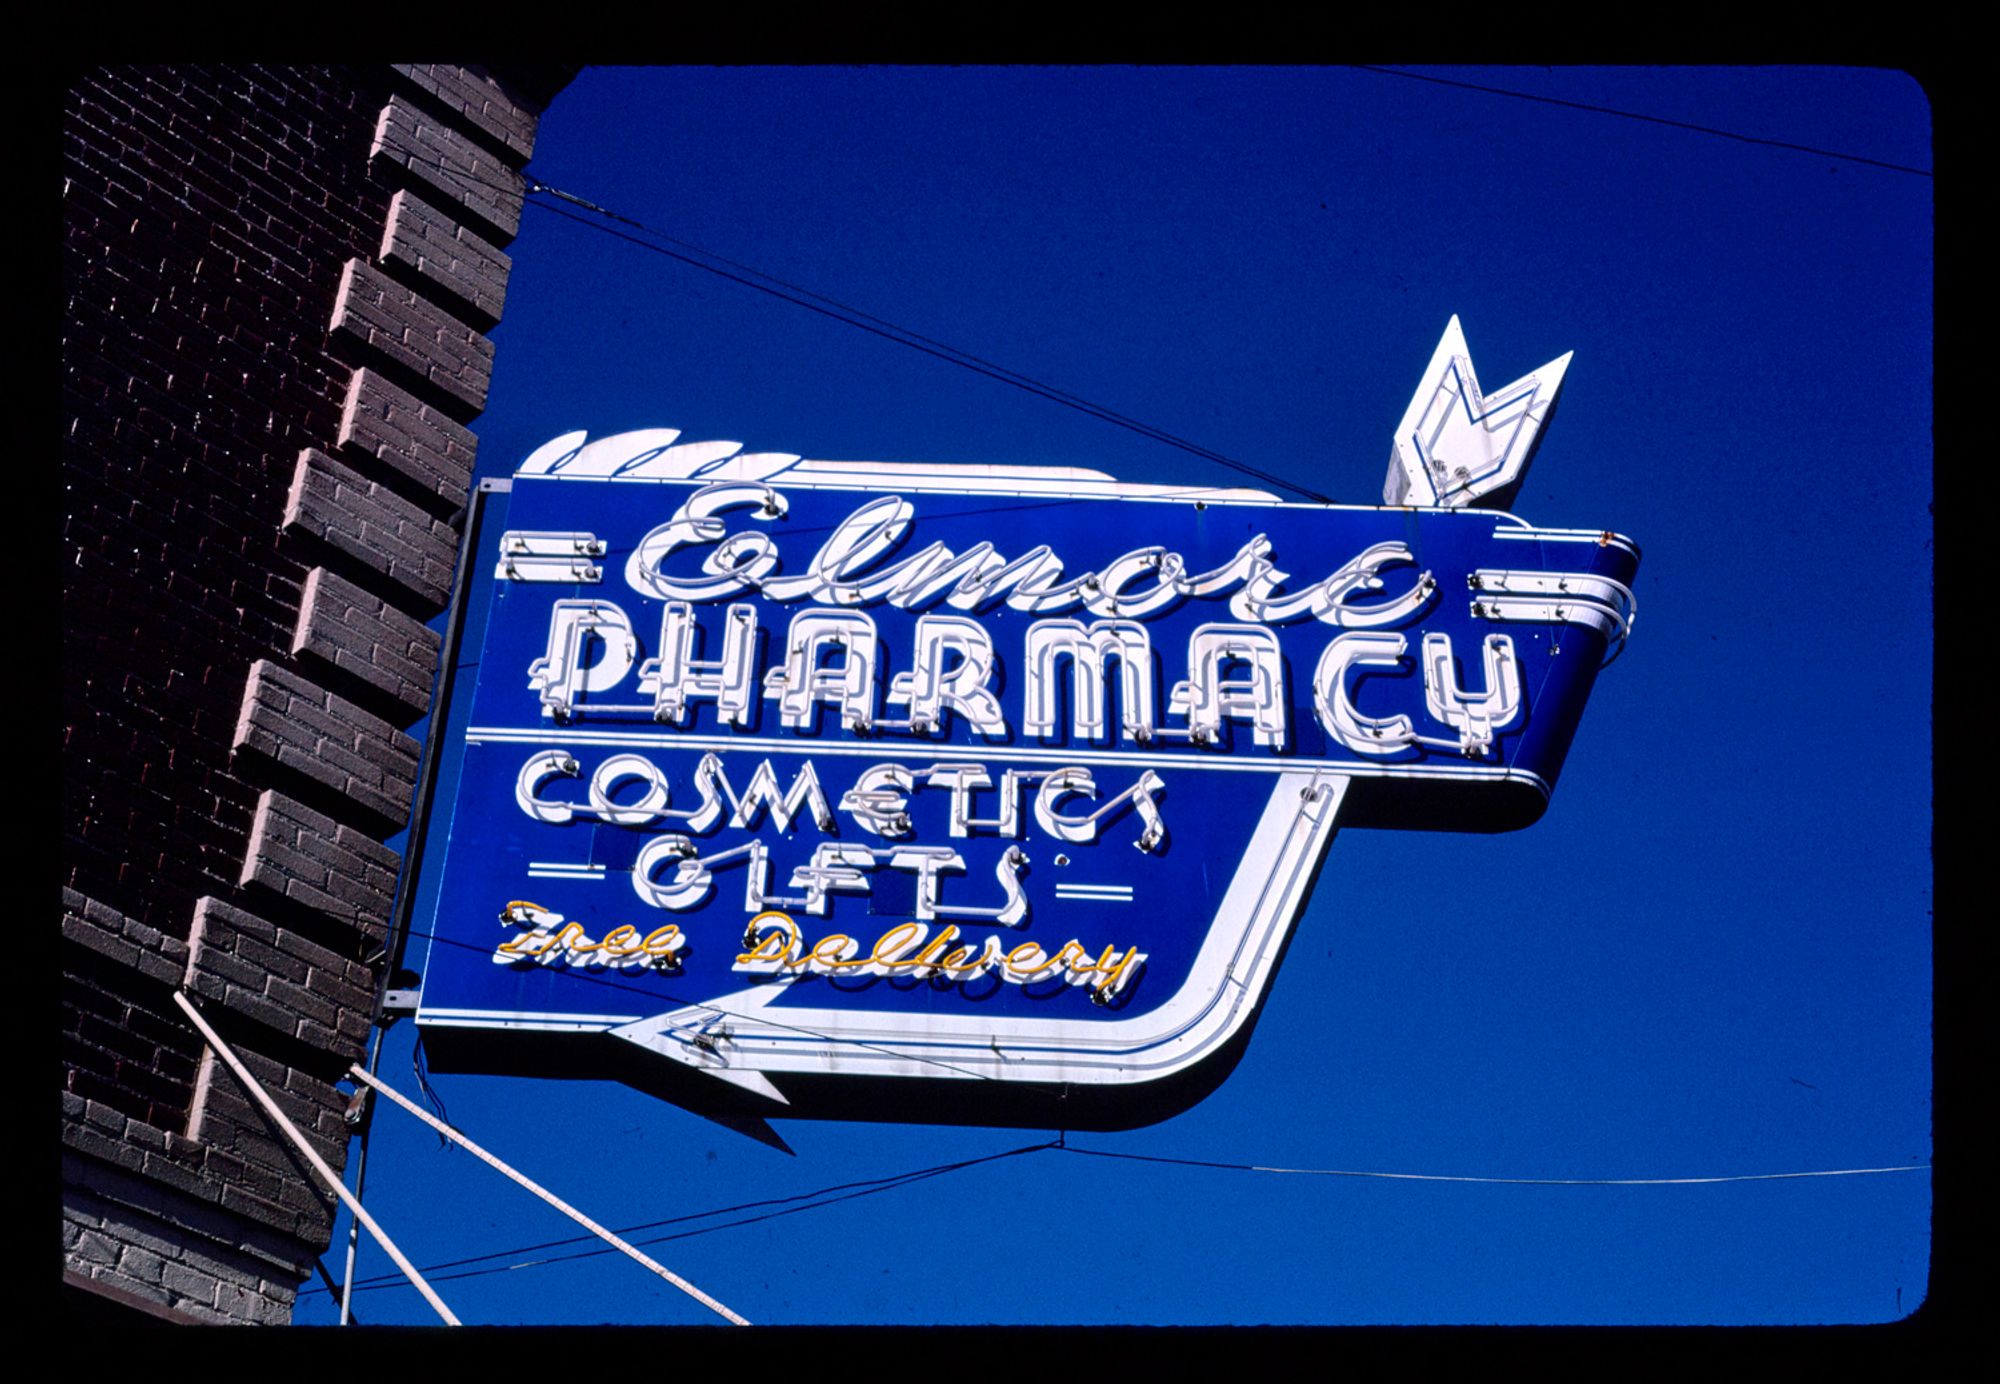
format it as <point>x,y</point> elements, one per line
<point>748,276</point>
<point>277,1117</point>
<point>522,1180</point>
<point>903,336</point>
<point>479,1265</point>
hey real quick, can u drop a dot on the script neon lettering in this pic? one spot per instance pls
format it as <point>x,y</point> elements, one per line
<point>957,961</point>
<point>929,955</point>
<point>1032,951</point>
<point>550,940</point>
<point>833,950</point>
<point>896,940</point>
<point>840,574</point>
<point>775,946</point>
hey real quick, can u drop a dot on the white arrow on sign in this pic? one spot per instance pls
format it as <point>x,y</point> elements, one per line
<point>703,1037</point>
<point>739,1037</point>
<point>1458,447</point>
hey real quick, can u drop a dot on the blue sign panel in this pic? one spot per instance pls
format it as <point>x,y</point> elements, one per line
<point>927,792</point>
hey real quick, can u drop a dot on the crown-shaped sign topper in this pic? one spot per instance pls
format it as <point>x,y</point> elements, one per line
<point>1458,447</point>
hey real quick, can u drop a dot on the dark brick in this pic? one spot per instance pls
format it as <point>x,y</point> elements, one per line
<point>443,258</point>
<point>209,216</point>
<point>328,740</point>
<point>372,531</point>
<point>451,166</point>
<point>448,360</point>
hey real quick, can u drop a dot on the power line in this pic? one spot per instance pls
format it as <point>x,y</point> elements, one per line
<point>913,336</point>
<point>1505,1181</point>
<point>1649,119</point>
<point>848,1191</point>
<point>814,1200</point>
<point>855,317</point>
<point>888,331</point>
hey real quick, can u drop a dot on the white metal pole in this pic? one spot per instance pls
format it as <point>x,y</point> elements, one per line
<point>550,1197</point>
<point>263,1098</point>
<point>360,1178</point>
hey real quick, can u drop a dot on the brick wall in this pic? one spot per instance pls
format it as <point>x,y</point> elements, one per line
<point>277,284</point>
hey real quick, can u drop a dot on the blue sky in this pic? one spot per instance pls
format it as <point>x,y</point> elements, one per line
<point>1711,957</point>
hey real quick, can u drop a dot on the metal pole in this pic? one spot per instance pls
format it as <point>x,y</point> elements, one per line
<point>360,1181</point>
<point>550,1197</point>
<point>291,1131</point>
<point>399,919</point>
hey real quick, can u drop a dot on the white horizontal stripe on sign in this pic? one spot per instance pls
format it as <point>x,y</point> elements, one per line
<point>552,736</point>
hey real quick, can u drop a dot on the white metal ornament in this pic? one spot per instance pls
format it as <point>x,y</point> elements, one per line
<point>1458,447</point>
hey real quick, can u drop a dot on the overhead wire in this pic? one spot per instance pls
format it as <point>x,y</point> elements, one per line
<point>753,278</point>
<point>848,1191</point>
<point>1502,1181</point>
<point>748,276</point>
<point>1635,115</point>
<point>950,355</point>
<point>813,1201</point>
<point>547,1197</point>
<point>881,327</point>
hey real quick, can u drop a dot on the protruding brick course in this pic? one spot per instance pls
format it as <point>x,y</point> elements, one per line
<point>190,1164</point>
<point>127,941</point>
<point>314,862</point>
<point>267,1179</point>
<point>227,328</point>
<point>488,112</point>
<point>272,976</point>
<point>372,528</point>
<point>454,167</point>
<point>369,641</point>
<point>446,257</point>
<point>328,740</point>
<point>448,357</point>
<point>393,427</point>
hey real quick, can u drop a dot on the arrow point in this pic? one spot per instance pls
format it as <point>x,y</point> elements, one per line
<point>1452,343</point>
<point>681,1034</point>
<point>1460,446</point>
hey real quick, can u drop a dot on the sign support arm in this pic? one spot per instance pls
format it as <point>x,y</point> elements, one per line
<point>291,1131</point>
<point>546,1195</point>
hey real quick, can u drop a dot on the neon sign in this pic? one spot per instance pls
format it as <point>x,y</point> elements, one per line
<point>938,792</point>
